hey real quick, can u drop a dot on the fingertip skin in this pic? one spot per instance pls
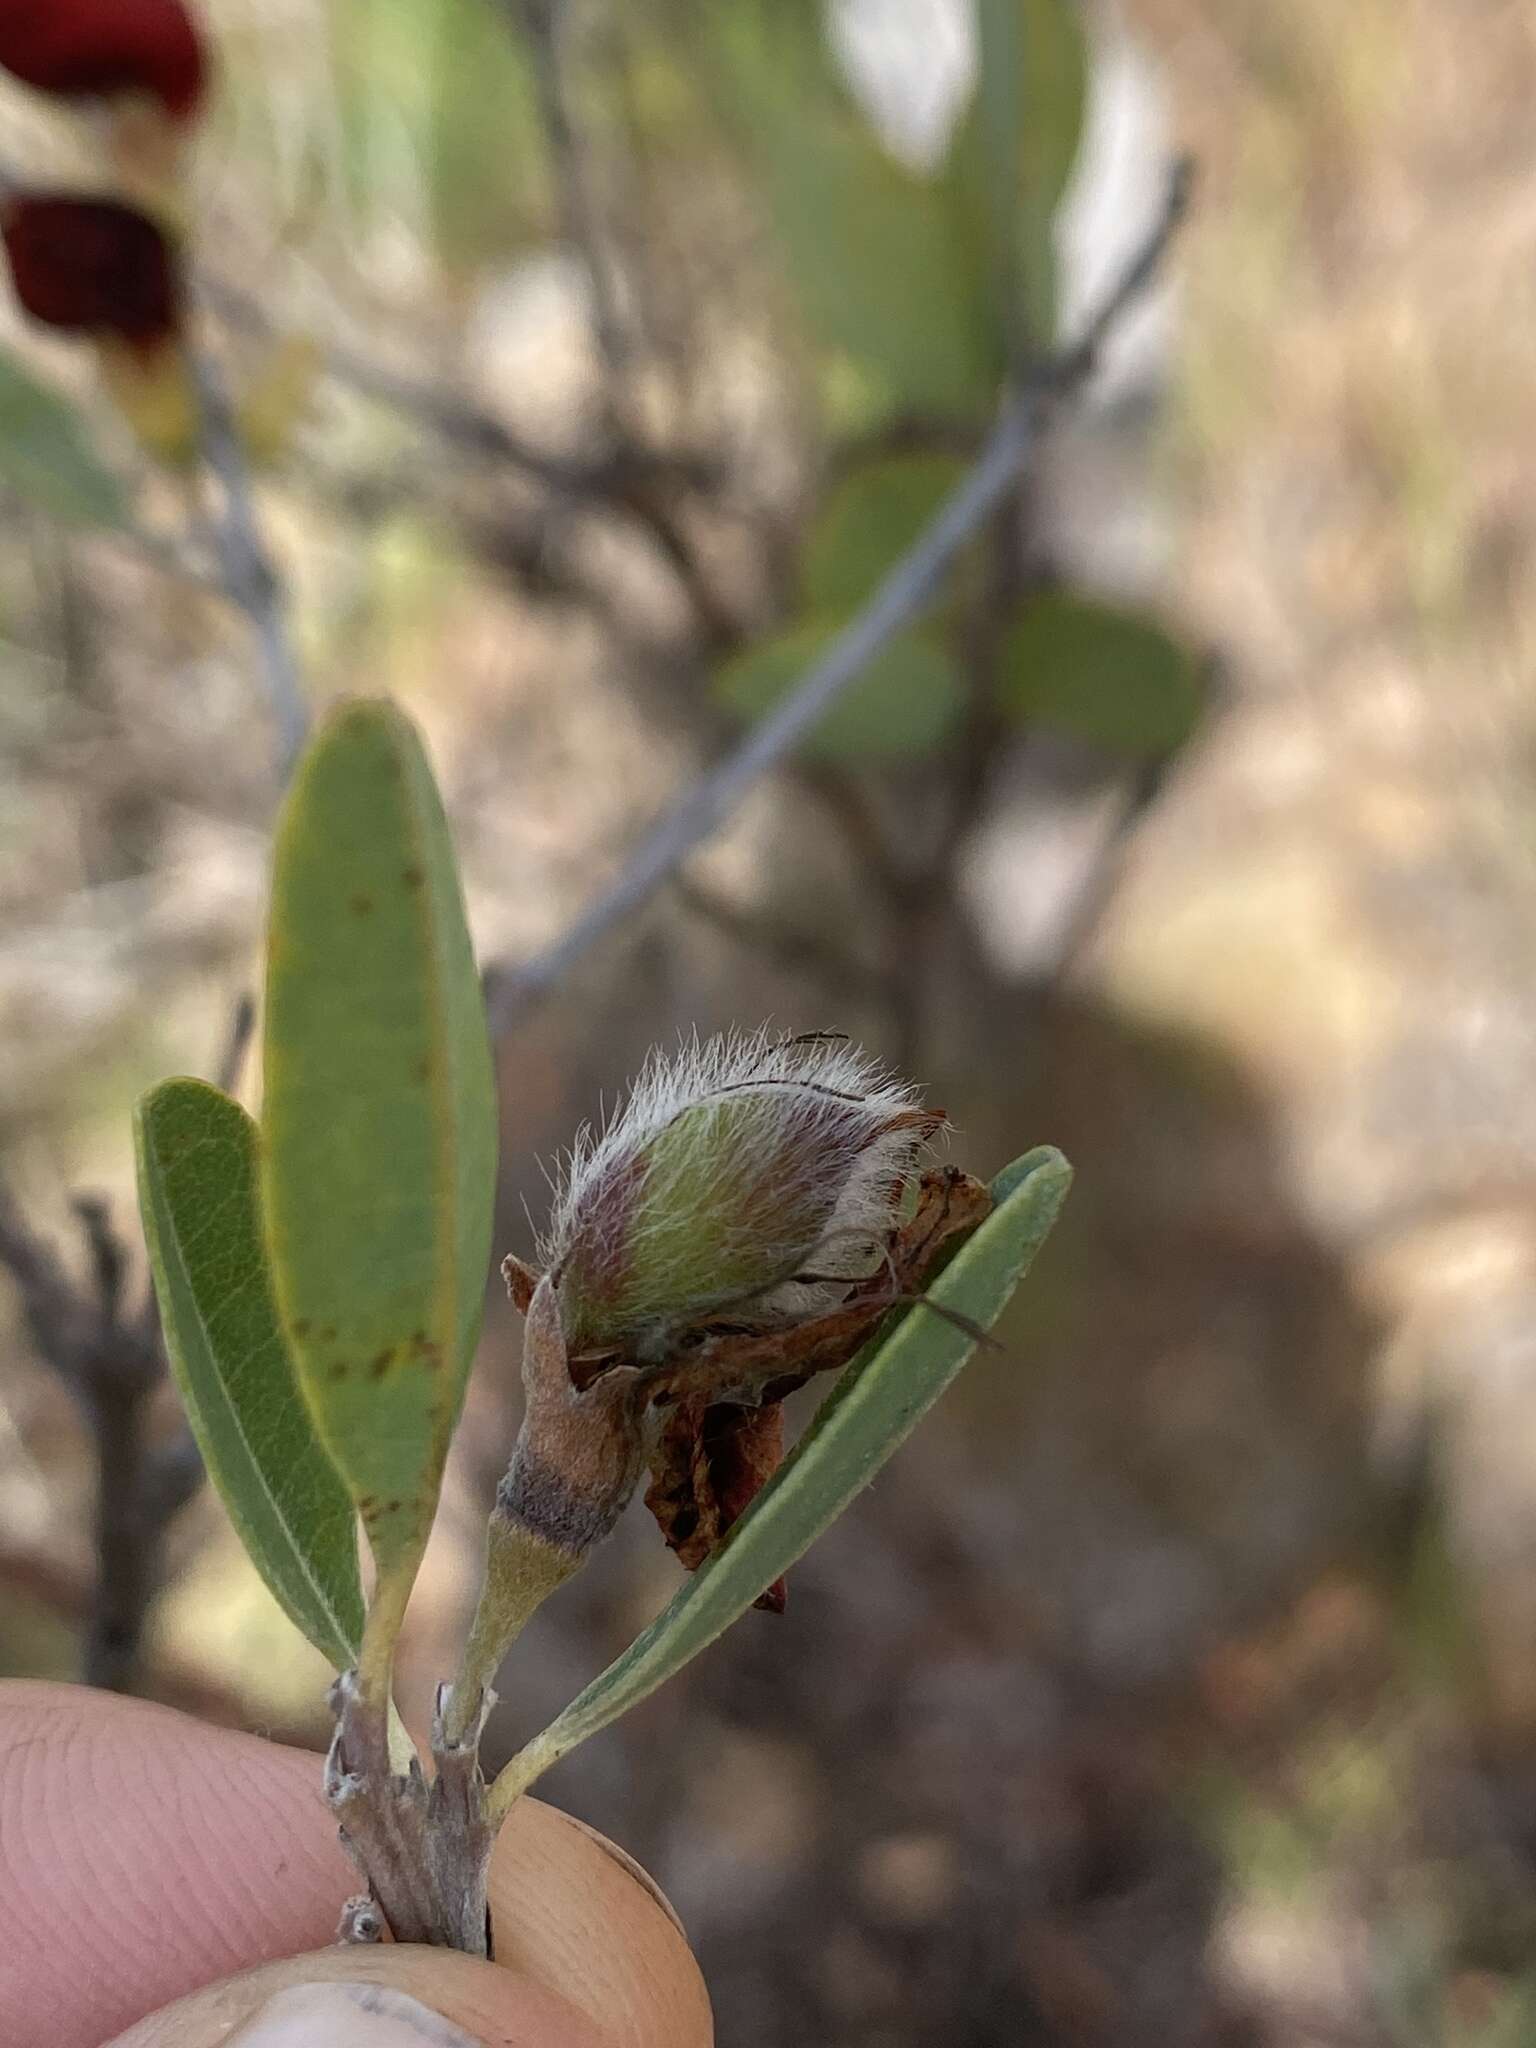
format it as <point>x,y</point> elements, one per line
<point>145,1856</point>
<point>493,2006</point>
<point>142,1854</point>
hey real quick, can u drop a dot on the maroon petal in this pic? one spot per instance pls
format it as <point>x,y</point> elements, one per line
<point>77,48</point>
<point>92,266</point>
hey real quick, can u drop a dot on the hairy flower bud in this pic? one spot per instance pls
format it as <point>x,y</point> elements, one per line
<point>85,48</point>
<point>747,1221</point>
<point>748,1177</point>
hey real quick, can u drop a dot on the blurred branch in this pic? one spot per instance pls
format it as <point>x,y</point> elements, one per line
<point>112,1363</point>
<point>546,26</point>
<point>797,951</point>
<point>626,479</point>
<point>249,578</point>
<point>898,599</point>
<point>457,419</point>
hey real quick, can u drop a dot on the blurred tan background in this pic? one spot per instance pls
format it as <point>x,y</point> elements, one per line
<point>1178,1684</point>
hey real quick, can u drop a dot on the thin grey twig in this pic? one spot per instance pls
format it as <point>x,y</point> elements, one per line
<point>898,599</point>
<point>249,578</point>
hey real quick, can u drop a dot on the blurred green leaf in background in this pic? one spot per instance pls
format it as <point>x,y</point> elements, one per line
<point>1098,672</point>
<point>867,520</point>
<point>908,699</point>
<point>46,454</point>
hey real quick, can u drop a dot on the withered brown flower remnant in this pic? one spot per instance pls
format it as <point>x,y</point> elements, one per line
<point>78,49</point>
<point>93,267</point>
<point>747,1221</point>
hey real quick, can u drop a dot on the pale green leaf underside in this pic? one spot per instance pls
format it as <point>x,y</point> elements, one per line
<point>873,1409</point>
<point>47,457</point>
<point>379,1117</point>
<point>197,1156</point>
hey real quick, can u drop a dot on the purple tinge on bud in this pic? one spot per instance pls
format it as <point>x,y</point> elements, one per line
<point>749,1178</point>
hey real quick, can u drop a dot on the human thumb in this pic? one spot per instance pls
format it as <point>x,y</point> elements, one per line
<point>385,1997</point>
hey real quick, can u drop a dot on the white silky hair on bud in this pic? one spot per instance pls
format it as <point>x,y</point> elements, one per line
<point>828,1080</point>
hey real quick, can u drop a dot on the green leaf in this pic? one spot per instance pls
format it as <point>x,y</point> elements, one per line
<point>868,246</point>
<point>1014,152</point>
<point>872,516</point>
<point>379,1118</point>
<point>874,1407</point>
<point>901,707</point>
<point>46,455</point>
<point>439,124</point>
<point>1100,673</point>
<point>197,1155</point>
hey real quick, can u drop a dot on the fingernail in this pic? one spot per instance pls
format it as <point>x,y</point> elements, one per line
<point>349,2016</point>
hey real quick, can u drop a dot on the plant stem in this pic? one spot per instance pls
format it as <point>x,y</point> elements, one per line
<point>424,1851</point>
<point>521,1571</point>
<point>376,1654</point>
<point>515,1777</point>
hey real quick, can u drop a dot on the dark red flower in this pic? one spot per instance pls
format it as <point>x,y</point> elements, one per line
<point>84,47</point>
<point>92,266</point>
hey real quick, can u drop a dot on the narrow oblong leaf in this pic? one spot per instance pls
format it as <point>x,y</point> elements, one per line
<point>379,1118</point>
<point>198,1193</point>
<point>47,457</point>
<point>880,1399</point>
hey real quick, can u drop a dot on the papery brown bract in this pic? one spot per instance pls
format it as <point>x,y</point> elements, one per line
<point>708,1464</point>
<point>93,267</point>
<point>712,1413</point>
<point>90,48</point>
<point>720,1409</point>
